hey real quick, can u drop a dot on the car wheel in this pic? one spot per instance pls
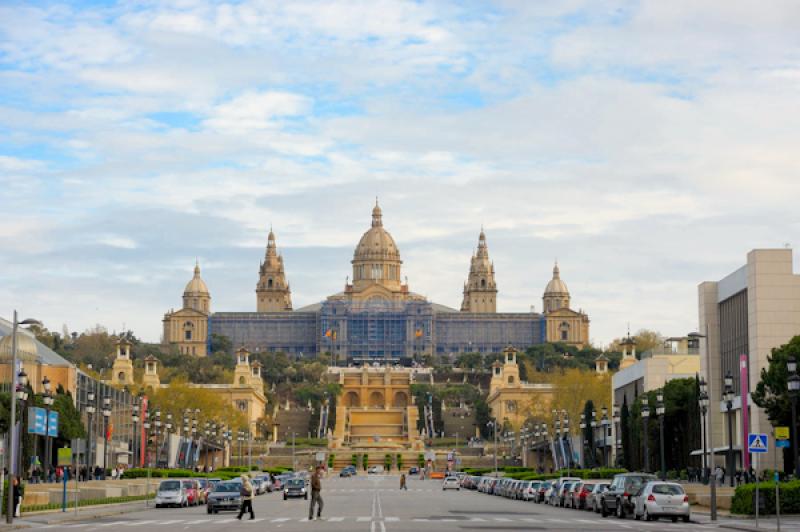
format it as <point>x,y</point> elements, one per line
<point>620,510</point>
<point>208,510</point>
<point>216,511</point>
<point>674,519</point>
<point>636,516</point>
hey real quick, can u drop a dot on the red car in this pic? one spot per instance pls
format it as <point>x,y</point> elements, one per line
<point>582,501</point>
<point>192,492</point>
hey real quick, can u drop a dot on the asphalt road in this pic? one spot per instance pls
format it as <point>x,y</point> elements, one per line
<point>375,504</point>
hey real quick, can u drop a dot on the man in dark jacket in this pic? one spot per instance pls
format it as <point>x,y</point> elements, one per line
<point>316,498</point>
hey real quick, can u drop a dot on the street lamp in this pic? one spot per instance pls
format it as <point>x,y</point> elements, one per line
<point>48,402</point>
<point>15,441</point>
<point>90,409</point>
<point>660,414</point>
<point>703,411</point>
<point>645,436</point>
<point>566,440</point>
<point>135,419</point>
<point>493,423</point>
<point>604,424</point>
<point>106,415</point>
<point>593,426</point>
<point>712,482</point>
<point>617,438</point>
<point>158,433</point>
<point>729,407</point>
<point>22,397</point>
<point>582,425</point>
<point>167,431</point>
<point>794,387</point>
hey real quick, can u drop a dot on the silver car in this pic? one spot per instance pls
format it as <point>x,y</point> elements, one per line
<point>662,499</point>
<point>593,499</point>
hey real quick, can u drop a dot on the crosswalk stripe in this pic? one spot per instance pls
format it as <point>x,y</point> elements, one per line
<point>279,520</point>
<point>197,521</point>
<point>476,519</point>
<point>169,522</point>
<point>256,520</point>
<point>363,519</point>
<point>390,519</point>
<point>503,519</point>
<point>336,519</point>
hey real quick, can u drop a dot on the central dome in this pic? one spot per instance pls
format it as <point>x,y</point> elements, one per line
<point>376,258</point>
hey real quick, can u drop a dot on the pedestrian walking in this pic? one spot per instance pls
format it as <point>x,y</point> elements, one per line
<point>403,482</point>
<point>316,497</point>
<point>17,495</point>
<point>246,491</point>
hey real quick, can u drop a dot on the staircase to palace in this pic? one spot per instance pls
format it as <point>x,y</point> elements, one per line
<point>296,420</point>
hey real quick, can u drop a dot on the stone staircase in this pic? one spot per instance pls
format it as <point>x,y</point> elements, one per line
<point>293,420</point>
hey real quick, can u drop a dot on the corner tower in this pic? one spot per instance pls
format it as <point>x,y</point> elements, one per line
<point>480,290</point>
<point>273,293</point>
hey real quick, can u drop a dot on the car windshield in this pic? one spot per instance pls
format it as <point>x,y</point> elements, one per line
<point>170,485</point>
<point>296,483</point>
<point>226,486</point>
<point>188,484</point>
<point>632,484</point>
<point>667,489</point>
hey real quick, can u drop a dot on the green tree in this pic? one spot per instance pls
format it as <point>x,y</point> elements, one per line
<point>70,426</point>
<point>221,344</point>
<point>624,423</point>
<point>588,435</point>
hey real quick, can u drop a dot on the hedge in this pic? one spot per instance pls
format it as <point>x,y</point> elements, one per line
<point>85,502</point>
<point>223,473</point>
<point>527,473</point>
<point>745,493</point>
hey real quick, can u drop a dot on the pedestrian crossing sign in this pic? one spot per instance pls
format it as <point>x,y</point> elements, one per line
<point>757,443</point>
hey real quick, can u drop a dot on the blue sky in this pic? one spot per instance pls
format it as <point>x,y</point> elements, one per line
<point>646,145</point>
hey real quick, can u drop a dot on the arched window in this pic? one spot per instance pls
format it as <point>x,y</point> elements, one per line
<point>483,283</point>
<point>269,283</point>
<point>564,328</point>
<point>121,376</point>
<point>241,381</point>
<point>511,379</point>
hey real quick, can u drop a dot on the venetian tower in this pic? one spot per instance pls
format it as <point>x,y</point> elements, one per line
<point>273,293</point>
<point>122,369</point>
<point>480,290</point>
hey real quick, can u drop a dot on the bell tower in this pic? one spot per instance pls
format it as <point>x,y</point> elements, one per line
<point>122,369</point>
<point>273,293</point>
<point>480,290</point>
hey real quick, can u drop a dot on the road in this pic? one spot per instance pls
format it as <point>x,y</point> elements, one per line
<point>375,504</point>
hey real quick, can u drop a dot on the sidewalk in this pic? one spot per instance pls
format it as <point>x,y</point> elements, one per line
<point>51,517</point>
<point>728,522</point>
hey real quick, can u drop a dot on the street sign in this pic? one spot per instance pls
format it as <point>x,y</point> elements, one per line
<point>781,433</point>
<point>52,423</point>
<point>65,456</point>
<point>783,444</point>
<point>757,443</point>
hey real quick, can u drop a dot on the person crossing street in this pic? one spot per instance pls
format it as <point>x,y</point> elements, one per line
<point>316,497</point>
<point>246,492</point>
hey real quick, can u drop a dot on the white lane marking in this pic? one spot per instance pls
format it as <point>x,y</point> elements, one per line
<point>383,527</point>
<point>256,520</point>
<point>140,523</point>
<point>372,527</point>
<point>280,520</point>
<point>504,519</point>
<point>363,519</point>
<point>227,520</point>
<point>476,519</point>
<point>115,523</point>
<point>169,522</point>
<point>390,519</point>
<point>197,521</point>
<point>336,519</point>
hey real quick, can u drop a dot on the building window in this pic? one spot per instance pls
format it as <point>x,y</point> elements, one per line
<point>187,334</point>
<point>483,283</point>
<point>121,376</point>
<point>511,379</point>
<point>269,283</point>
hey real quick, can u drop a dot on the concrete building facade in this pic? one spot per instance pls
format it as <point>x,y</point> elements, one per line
<point>748,312</point>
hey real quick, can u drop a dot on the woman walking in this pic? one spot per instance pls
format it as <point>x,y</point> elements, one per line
<point>247,497</point>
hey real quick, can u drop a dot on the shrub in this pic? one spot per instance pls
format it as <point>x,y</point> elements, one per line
<point>399,461</point>
<point>744,497</point>
<point>331,456</point>
<point>365,461</point>
<point>387,462</point>
<point>354,460</point>
<point>421,460</point>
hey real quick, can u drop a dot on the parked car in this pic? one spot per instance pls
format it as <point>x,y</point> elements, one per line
<point>192,489</point>
<point>171,493</point>
<point>580,498</point>
<point>541,492</point>
<point>267,483</point>
<point>295,487</point>
<point>259,488</point>
<point>376,470</point>
<point>413,470</point>
<point>571,495</point>
<point>618,499</point>
<point>451,483</point>
<point>224,496</point>
<point>348,471</point>
<point>202,490</point>
<point>593,499</point>
<point>529,489</point>
<point>662,499</point>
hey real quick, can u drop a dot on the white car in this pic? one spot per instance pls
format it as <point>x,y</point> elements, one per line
<point>451,483</point>
<point>171,493</point>
<point>375,470</point>
<point>662,499</point>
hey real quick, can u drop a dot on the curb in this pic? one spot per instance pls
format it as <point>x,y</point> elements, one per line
<point>85,512</point>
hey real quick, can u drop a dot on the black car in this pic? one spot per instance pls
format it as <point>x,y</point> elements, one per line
<point>413,471</point>
<point>224,496</point>
<point>295,487</point>
<point>618,499</point>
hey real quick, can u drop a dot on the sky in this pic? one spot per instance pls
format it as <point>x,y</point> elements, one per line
<point>647,146</point>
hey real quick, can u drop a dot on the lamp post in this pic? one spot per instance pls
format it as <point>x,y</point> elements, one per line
<point>604,426</point>
<point>48,403</point>
<point>22,397</point>
<point>712,482</point>
<point>167,431</point>
<point>703,400</point>
<point>493,423</point>
<point>729,408</point>
<point>157,423</point>
<point>646,434</point>
<point>90,409</point>
<point>794,387</point>
<point>14,440</point>
<point>565,425</point>
<point>135,419</point>
<point>593,426</point>
<point>660,414</point>
<point>617,439</point>
<point>557,437</point>
<point>584,443</point>
<point>106,415</point>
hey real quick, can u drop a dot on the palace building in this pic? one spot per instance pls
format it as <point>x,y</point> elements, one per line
<point>376,317</point>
